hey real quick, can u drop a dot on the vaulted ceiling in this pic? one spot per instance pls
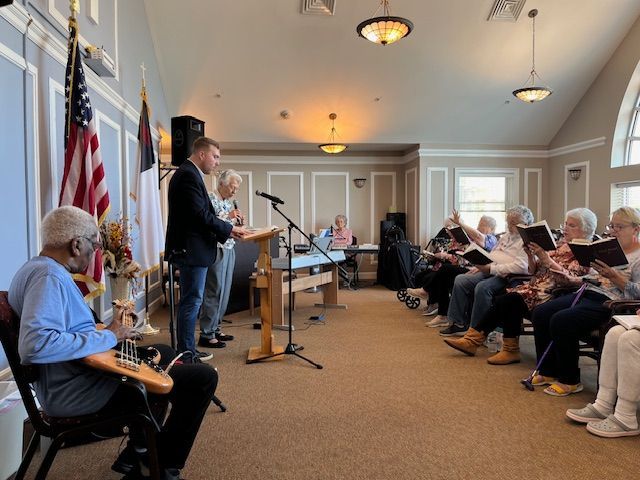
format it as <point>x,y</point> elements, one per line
<point>237,64</point>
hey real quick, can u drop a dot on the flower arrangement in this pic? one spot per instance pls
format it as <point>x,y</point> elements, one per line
<point>116,249</point>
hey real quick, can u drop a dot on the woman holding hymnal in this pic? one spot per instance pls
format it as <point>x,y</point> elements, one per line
<point>436,286</point>
<point>613,414</point>
<point>508,310</point>
<point>558,321</point>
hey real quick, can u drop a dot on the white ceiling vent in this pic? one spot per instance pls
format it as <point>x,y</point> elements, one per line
<point>506,10</point>
<point>318,7</point>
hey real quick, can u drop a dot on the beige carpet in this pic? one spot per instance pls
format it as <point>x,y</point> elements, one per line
<point>392,401</point>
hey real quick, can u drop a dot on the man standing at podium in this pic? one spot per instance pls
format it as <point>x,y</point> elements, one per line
<point>193,232</point>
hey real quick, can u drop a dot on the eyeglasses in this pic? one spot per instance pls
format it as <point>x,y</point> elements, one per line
<point>616,227</point>
<point>95,244</point>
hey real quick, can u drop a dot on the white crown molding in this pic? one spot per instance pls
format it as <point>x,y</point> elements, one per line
<point>230,159</point>
<point>577,147</point>
<point>446,152</point>
<point>18,17</point>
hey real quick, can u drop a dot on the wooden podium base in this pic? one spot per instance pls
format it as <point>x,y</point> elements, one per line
<point>255,353</point>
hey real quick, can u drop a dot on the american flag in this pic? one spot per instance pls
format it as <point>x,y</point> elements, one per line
<point>83,184</point>
<point>146,194</point>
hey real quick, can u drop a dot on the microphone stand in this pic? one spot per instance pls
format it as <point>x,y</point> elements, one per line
<point>292,348</point>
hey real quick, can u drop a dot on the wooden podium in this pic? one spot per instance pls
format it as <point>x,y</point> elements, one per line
<point>264,282</point>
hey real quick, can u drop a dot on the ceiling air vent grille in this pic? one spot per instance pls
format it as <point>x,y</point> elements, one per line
<point>318,7</point>
<point>506,10</point>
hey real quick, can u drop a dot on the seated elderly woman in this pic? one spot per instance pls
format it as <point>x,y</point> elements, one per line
<point>614,412</point>
<point>436,285</point>
<point>508,310</point>
<point>557,321</point>
<point>341,234</point>
<point>473,292</point>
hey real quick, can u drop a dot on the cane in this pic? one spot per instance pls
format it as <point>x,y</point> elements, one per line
<point>527,382</point>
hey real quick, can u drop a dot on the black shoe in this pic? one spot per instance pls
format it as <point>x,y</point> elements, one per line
<point>203,356</point>
<point>127,461</point>
<point>210,343</point>
<point>224,337</point>
<point>453,330</point>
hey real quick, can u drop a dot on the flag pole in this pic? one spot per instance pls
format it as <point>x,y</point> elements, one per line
<point>146,328</point>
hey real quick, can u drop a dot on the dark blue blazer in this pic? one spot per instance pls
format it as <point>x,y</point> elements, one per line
<point>193,230</point>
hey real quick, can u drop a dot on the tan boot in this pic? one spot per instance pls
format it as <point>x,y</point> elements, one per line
<point>467,344</point>
<point>510,353</point>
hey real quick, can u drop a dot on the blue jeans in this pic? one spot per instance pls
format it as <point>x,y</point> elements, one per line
<point>472,296</point>
<point>192,281</point>
<point>216,292</point>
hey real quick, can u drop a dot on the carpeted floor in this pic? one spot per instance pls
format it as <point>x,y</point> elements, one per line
<point>392,401</point>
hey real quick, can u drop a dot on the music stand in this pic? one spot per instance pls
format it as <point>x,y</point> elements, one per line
<point>291,348</point>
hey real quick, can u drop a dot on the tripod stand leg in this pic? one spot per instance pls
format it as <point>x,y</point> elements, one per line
<point>317,365</point>
<point>219,404</point>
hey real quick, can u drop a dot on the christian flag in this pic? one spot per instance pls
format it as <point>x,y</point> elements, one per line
<point>83,184</point>
<point>147,196</point>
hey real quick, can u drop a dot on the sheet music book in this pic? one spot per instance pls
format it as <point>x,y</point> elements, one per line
<point>539,233</point>
<point>607,250</point>
<point>476,255</point>
<point>630,322</point>
<point>459,235</point>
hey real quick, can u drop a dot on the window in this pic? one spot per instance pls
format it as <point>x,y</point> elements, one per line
<point>625,194</point>
<point>633,142</point>
<point>485,192</point>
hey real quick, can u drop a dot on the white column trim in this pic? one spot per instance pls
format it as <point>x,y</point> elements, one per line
<point>312,227</point>
<point>445,203</point>
<point>249,187</point>
<point>373,259</point>
<point>525,199</point>
<point>415,210</point>
<point>300,176</point>
<point>584,164</point>
<point>33,72</point>
<point>54,87</point>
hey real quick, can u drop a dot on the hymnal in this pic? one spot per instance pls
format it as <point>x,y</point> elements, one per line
<point>607,250</point>
<point>459,235</point>
<point>538,233</point>
<point>476,255</point>
<point>630,322</point>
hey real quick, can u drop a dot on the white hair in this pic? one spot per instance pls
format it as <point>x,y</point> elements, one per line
<point>225,177</point>
<point>342,217</point>
<point>63,224</point>
<point>525,214</point>
<point>490,221</point>
<point>588,220</point>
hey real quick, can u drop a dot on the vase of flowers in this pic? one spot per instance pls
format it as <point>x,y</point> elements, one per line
<point>117,258</point>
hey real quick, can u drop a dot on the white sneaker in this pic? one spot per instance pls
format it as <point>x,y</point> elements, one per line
<point>417,292</point>
<point>430,310</point>
<point>439,321</point>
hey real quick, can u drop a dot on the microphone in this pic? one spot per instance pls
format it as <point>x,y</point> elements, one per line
<point>269,197</point>
<point>240,220</point>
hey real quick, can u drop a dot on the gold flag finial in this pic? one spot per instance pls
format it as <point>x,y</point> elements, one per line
<point>74,6</point>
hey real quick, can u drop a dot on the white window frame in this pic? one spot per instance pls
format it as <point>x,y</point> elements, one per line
<point>635,118</point>
<point>618,186</point>
<point>511,174</point>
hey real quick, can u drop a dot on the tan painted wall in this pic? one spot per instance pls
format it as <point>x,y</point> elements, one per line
<point>604,111</point>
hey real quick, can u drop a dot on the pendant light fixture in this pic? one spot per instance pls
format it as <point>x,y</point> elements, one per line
<point>385,29</point>
<point>332,147</point>
<point>530,92</point>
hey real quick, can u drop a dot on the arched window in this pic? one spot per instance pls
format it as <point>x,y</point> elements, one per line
<point>632,156</point>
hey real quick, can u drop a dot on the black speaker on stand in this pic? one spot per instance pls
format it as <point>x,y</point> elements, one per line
<point>184,130</point>
<point>400,220</point>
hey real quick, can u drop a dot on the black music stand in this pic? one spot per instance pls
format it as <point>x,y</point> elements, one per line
<point>292,348</point>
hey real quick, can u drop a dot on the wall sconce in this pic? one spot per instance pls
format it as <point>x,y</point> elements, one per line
<point>359,182</point>
<point>575,173</point>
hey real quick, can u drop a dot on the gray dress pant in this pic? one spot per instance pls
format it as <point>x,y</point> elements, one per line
<point>216,292</point>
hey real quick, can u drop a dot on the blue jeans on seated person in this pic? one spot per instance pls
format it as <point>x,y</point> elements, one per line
<point>192,282</point>
<point>472,296</point>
